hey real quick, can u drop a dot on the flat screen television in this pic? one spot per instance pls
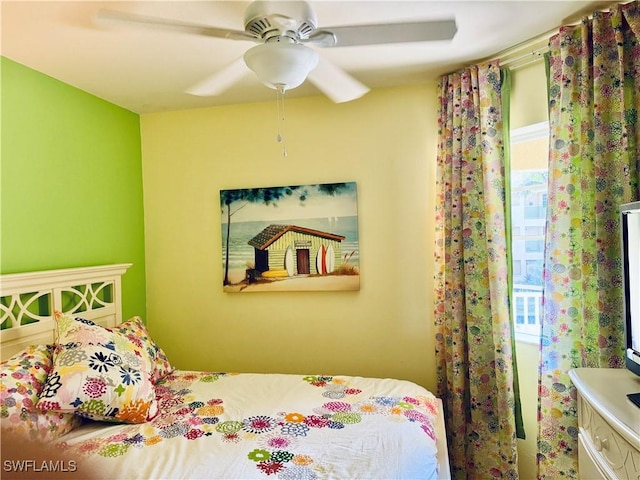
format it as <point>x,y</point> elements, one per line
<point>630,220</point>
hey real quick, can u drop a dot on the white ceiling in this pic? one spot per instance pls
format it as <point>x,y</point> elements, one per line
<point>147,70</point>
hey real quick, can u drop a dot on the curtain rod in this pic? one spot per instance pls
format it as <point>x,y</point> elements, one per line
<point>524,53</point>
<point>521,58</point>
<point>533,50</point>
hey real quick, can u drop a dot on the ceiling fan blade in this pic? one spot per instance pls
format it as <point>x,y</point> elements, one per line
<point>352,35</point>
<point>221,80</point>
<point>335,83</point>
<point>112,16</point>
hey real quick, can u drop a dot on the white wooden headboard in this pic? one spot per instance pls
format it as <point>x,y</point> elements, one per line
<point>28,302</point>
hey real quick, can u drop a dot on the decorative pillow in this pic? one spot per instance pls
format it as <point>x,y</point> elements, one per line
<point>99,374</point>
<point>21,380</point>
<point>137,332</point>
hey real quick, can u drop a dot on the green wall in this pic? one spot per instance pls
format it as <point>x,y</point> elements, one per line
<point>71,181</point>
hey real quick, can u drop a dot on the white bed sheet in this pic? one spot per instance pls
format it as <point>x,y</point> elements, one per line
<point>238,426</point>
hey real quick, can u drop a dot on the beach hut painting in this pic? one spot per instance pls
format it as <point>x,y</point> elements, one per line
<point>290,238</point>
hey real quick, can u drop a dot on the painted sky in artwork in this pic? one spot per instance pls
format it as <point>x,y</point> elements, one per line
<point>316,205</point>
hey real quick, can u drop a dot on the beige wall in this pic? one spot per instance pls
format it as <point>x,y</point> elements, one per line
<point>529,102</point>
<point>386,142</point>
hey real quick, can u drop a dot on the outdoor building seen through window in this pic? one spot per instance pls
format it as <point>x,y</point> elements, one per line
<point>529,175</point>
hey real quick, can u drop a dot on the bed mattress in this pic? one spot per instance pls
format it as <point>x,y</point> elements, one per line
<point>237,426</point>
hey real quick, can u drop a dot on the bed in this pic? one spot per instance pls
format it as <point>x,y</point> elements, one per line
<point>62,410</point>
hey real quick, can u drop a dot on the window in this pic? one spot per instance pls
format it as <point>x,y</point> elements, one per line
<point>534,245</point>
<point>516,267</point>
<point>529,175</point>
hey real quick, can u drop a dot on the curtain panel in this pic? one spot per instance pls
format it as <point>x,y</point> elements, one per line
<point>474,348</point>
<point>594,100</point>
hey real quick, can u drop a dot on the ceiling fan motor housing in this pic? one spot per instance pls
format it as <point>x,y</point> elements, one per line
<point>266,19</point>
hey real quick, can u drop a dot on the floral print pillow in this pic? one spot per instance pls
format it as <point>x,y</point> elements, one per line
<point>21,380</point>
<point>99,374</point>
<point>136,331</point>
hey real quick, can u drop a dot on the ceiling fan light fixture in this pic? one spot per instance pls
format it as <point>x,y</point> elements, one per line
<point>281,65</point>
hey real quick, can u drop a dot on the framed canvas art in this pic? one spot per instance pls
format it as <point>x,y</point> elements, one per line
<point>290,238</point>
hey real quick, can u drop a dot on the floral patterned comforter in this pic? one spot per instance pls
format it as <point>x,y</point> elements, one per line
<point>219,425</point>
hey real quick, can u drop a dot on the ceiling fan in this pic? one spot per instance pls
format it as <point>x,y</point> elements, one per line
<point>282,60</point>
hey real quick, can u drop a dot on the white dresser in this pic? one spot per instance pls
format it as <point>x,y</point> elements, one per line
<point>609,424</point>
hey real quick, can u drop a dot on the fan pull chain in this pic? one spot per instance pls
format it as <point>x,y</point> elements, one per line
<point>281,138</point>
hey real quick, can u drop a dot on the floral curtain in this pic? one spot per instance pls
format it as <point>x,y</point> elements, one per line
<point>594,94</point>
<point>474,349</point>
